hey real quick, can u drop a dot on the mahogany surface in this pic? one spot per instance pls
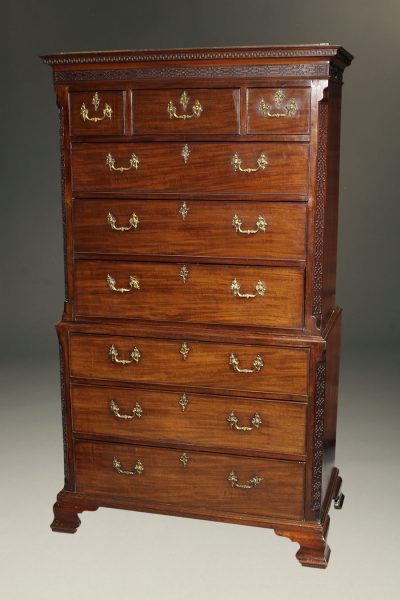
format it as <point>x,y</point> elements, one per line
<point>188,169</point>
<point>208,168</point>
<point>206,230</point>
<point>203,296</point>
<point>203,421</point>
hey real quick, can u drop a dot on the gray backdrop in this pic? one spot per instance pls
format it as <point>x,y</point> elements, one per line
<point>121,554</point>
<point>368,266</point>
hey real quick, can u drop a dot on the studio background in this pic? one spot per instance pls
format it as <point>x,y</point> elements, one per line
<point>178,558</point>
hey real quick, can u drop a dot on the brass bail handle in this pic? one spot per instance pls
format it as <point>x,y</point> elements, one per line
<point>133,163</point>
<point>236,162</point>
<point>133,222</point>
<point>251,483</point>
<point>234,362</point>
<point>137,469</point>
<point>289,110</point>
<point>135,356</point>
<point>234,422</point>
<point>107,110</point>
<point>134,284</point>
<point>197,109</point>
<point>261,225</point>
<point>137,411</point>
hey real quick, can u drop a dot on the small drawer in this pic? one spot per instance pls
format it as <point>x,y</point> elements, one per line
<point>258,168</point>
<point>208,421</point>
<point>172,111</point>
<point>98,112</point>
<point>272,110</point>
<point>260,230</point>
<point>263,369</point>
<point>229,295</point>
<point>233,484</point>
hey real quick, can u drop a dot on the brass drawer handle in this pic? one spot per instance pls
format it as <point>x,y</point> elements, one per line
<point>236,163</point>
<point>137,469</point>
<point>197,109</point>
<point>137,411</point>
<point>135,356</point>
<point>134,284</point>
<point>251,483</point>
<point>133,222</point>
<point>107,110</point>
<point>258,364</point>
<point>233,422</point>
<point>110,162</point>
<point>288,111</point>
<point>260,290</point>
<point>261,225</point>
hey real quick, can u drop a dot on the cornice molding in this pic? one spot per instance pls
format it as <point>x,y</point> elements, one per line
<point>318,51</point>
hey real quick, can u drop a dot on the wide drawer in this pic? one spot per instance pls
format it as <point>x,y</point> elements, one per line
<point>265,296</point>
<point>195,167</point>
<point>197,479</point>
<point>186,111</point>
<point>217,421</point>
<point>272,110</point>
<point>267,369</point>
<point>97,112</point>
<point>265,230</point>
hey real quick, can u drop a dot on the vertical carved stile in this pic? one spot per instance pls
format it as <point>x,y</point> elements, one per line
<point>64,416</point>
<point>63,212</point>
<point>319,408</point>
<point>320,210</point>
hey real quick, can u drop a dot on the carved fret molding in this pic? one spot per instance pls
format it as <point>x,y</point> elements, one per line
<point>304,70</point>
<point>319,408</point>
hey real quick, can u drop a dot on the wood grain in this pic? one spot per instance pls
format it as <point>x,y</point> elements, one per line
<point>285,368</point>
<point>203,482</point>
<point>205,297</point>
<point>219,114</point>
<point>258,123</point>
<point>207,230</point>
<point>209,169</point>
<point>108,126</point>
<point>204,421</point>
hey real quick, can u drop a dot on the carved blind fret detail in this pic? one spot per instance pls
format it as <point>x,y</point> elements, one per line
<point>210,71</point>
<point>319,408</point>
<point>322,154</point>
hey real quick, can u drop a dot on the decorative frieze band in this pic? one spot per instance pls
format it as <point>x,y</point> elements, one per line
<point>305,70</point>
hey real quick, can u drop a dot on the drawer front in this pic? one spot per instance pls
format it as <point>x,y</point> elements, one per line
<point>272,110</point>
<point>268,369</point>
<point>186,111</point>
<point>190,293</point>
<point>218,421</point>
<point>97,113</point>
<point>193,167</point>
<point>264,230</point>
<point>159,475</point>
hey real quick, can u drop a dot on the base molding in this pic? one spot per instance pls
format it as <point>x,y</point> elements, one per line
<point>311,536</point>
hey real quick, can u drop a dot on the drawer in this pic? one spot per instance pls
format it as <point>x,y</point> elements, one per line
<point>190,293</point>
<point>263,230</point>
<point>195,167</point>
<point>216,421</point>
<point>267,369</point>
<point>186,111</point>
<point>272,110</point>
<point>97,112</point>
<point>160,475</point>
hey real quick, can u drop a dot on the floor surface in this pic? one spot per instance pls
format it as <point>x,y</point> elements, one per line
<point>120,555</point>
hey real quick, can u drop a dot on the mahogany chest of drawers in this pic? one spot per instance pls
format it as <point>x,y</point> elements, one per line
<point>200,335</point>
